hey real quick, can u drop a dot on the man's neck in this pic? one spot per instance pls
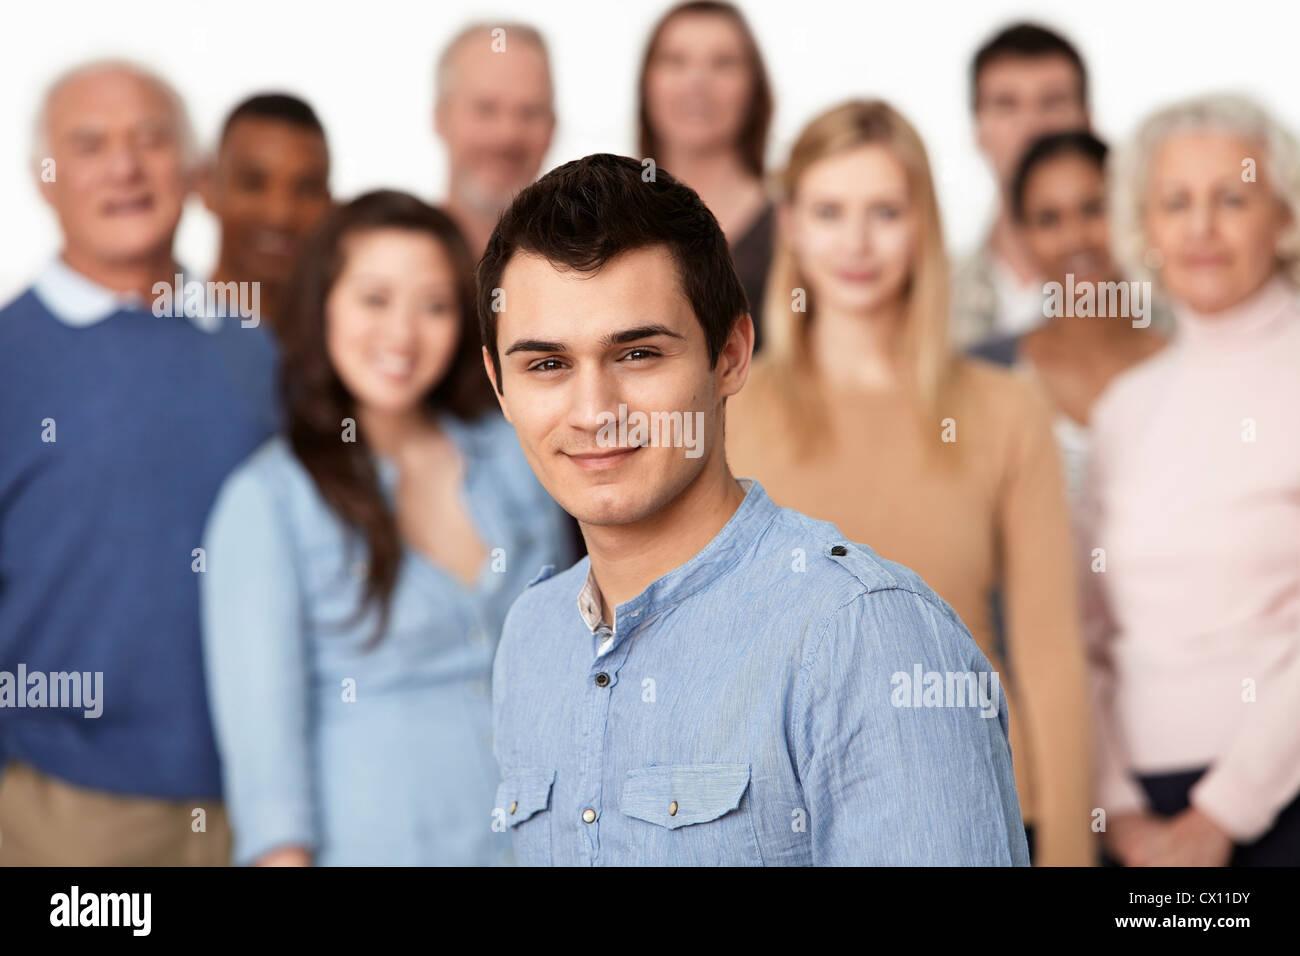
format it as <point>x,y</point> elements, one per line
<point>475,225</point>
<point>136,276</point>
<point>270,294</point>
<point>626,559</point>
<point>1008,247</point>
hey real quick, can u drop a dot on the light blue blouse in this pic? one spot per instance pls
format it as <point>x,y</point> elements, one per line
<point>365,754</point>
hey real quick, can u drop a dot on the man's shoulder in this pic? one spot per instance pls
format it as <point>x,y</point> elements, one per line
<point>843,569</point>
<point>854,594</point>
<point>550,593</point>
<point>21,308</point>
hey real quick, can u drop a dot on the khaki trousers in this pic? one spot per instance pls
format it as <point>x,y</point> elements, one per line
<point>46,822</point>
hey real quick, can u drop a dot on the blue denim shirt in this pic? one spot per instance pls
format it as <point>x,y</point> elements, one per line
<point>770,702</point>
<point>369,755</point>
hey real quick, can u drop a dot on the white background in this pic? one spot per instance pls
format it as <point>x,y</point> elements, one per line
<point>367,68</point>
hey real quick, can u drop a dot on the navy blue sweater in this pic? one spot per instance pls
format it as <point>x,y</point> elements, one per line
<point>97,530</point>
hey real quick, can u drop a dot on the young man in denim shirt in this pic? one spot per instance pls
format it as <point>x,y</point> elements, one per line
<point>722,681</point>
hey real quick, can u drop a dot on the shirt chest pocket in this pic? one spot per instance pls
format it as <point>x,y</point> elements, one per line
<point>691,815</point>
<point>523,806</point>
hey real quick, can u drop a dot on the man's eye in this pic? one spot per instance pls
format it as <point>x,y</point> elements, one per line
<point>546,365</point>
<point>640,355</point>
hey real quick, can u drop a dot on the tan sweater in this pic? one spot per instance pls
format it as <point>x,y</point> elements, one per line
<point>995,518</point>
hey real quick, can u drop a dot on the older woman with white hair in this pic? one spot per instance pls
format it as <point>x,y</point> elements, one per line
<point>1194,620</point>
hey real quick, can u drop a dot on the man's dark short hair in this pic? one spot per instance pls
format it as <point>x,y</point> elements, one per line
<point>282,107</point>
<point>1077,142</point>
<point>1025,41</point>
<point>585,213</point>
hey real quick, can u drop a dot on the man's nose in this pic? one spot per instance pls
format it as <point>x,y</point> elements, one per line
<point>595,396</point>
<point>124,162</point>
<point>277,209</point>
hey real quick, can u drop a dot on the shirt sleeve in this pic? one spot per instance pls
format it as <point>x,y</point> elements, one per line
<point>888,780</point>
<point>257,670</point>
<point>1115,789</point>
<point>1259,774</point>
<point>1044,646</point>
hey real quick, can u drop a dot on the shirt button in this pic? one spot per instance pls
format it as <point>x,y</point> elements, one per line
<point>602,679</point>
<point>672,809</point>
<point>589,815</point>
<point>839,551</point>
<point>514,807</point>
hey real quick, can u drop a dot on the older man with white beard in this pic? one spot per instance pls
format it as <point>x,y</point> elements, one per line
<point>495,114</point>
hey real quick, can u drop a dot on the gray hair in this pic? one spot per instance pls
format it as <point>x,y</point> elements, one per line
<point>445,70</point>
<point>180,116</point>
<point>1220,113</point>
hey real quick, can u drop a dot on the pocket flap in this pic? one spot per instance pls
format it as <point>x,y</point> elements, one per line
<point>523,793</point>
<point>678,796</point>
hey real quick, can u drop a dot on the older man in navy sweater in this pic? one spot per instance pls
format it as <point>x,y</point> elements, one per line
<point>117,425</point>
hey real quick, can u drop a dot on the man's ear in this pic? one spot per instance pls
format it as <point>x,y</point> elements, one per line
<point>46,186</point>
<point>440,118</point>
<point>492,377</point>
<point>734,360</point>
<point>205,184</point>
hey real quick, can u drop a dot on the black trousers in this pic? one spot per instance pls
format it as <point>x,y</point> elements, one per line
<point>1167,795</point>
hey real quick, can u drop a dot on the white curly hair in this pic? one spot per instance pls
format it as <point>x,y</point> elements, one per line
<point>1233,115</point>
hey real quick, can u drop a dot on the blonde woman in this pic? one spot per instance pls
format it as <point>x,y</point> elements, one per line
<point>1195,625</point>
<point>859,414</point>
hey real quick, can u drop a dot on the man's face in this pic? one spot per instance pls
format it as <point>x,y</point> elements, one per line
<point>497,122</point>
<point>576,346</point>
<point>269,187</point>
<point>120,180</point>
<point>1020,99</point>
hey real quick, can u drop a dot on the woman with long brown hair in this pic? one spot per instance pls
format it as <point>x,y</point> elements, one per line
<point>859,414</point>
<point>359,568</point>
<point>704,113</point>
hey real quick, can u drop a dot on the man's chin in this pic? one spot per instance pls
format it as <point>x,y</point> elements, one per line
<point>606,507</point>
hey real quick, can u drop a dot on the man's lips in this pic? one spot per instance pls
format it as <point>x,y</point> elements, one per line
<point>602,459</point>
<point>1205,260</point>
<point>128,206</point>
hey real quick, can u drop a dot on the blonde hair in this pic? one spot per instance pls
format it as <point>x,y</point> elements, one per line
<point>1220,113</point>
<point>925,355</point>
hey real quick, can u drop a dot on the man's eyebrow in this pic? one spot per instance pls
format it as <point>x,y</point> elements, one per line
<point>535,345</point>
<point>640,332</point>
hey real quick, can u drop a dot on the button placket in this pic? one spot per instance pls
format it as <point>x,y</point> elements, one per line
<point>601,679</point>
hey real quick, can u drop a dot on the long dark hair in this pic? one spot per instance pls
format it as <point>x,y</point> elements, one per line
<point>752,143</point>
<point>316,401</point>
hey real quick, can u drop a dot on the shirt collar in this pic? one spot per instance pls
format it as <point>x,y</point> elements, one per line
<point>80,302</point>
<point>1264,311</point>
<point>718,557</point>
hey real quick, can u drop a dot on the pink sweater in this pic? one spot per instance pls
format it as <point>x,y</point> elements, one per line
<point>1194,625</point>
